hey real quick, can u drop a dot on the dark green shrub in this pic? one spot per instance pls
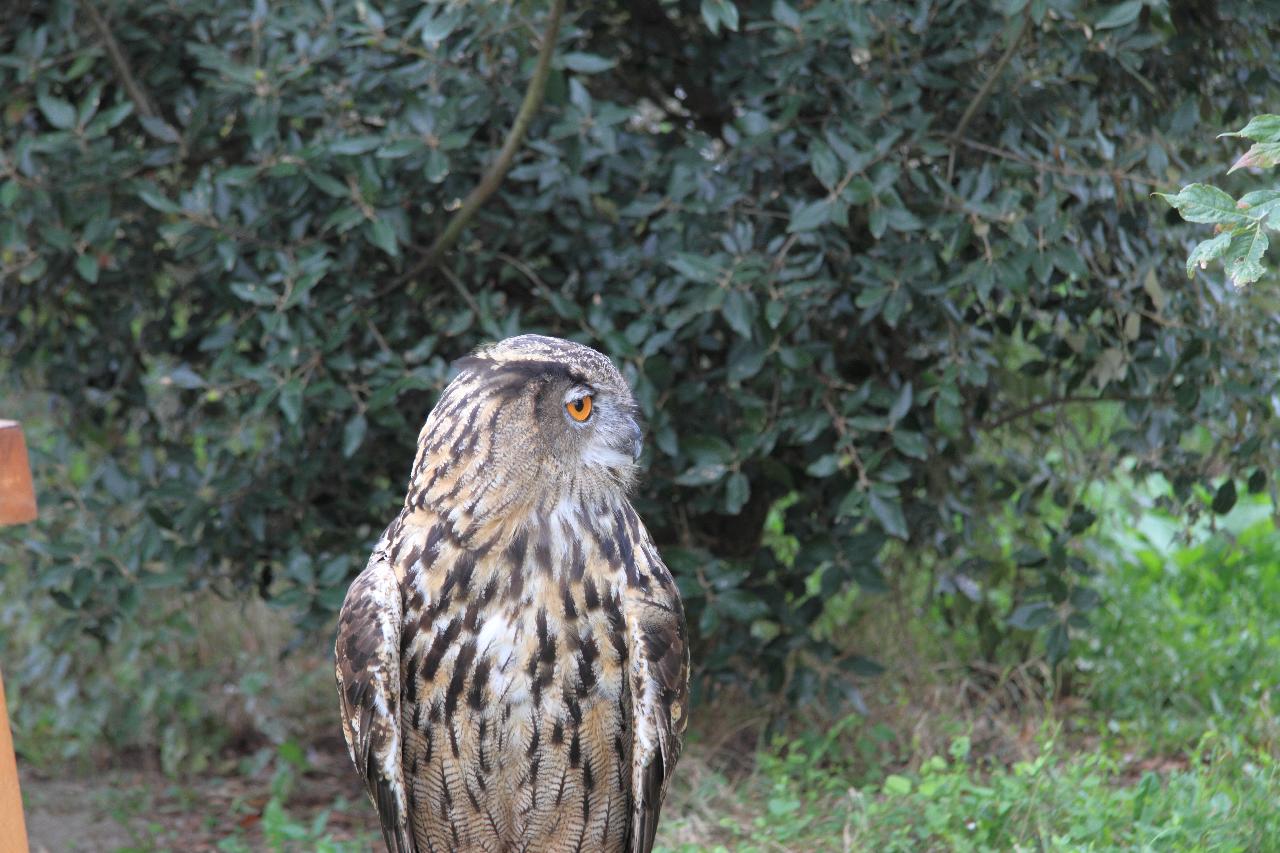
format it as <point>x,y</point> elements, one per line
<point>899,261</point>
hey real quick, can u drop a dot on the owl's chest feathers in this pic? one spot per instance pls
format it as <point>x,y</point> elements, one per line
<point>516,626</point>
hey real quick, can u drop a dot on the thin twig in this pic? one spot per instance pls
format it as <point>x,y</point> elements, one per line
<point>498,169</point>
<point>1050,402</point>
<point>525,270</point>
<point>463,292</point>
<point>983,92</point>
<point>1069,171</point>
<point>120,62</point>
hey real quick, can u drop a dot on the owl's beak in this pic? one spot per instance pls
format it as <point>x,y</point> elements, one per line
<point>637,441</point>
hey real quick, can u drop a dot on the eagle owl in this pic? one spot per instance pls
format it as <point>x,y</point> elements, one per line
<point>512,663</point>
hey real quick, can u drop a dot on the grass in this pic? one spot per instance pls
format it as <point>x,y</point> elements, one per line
<point>1169,741</point>
<point>1173,745</point>
<point>1190,640</point>
<point>1061,799</point>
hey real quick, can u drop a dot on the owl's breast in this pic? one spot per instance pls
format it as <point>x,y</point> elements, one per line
<point>526,714</point>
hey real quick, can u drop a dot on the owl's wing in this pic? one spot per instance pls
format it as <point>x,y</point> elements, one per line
<point>659,677</point>
<point>368,668</point>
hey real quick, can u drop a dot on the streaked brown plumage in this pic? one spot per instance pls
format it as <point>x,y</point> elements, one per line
<point>512,664</point>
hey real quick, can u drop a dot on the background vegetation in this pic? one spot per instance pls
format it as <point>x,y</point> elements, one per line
<point>888,279</point>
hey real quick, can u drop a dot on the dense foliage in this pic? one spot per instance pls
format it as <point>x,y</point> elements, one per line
<point>880,273</point>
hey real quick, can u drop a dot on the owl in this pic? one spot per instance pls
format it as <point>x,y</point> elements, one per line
<point>513,662</point>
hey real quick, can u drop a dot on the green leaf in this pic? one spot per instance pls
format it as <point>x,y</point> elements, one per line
<point>851,504</point>
<point>911,444</point>
<point>948,417</point>
<point>807,217</point>
<point>58,112</point>
<point>740,604</point>
<point>823,466</point>
<point>745,360</point>
<point>1261,155</point>
<point>437,28</point>
<point>1081,520</point>
<point>1084,599</point>
<point>1263,128</point>
<point>291,400</point>
<point>825,166</point>
<point>1243,258</point>
<point>1203,203</point>
<point>1028,557</point>
<point>254,293</point>
<point>738,310</point>
<point>183,376</point>
<point>878,221</point>
<point>774,311</point>
<point>704,449</point>
<point>701,475</point>
<point>694,267</point>
<point>159,129</point>
<point>353,434</point>
<point>1225,498</point>
<point>155,200</point>
<point>437,168</point>
<point>737,489</point>
<point>888,511</point>
<point>897,786</point>
<point>901,405</point>
<point>1032,615</point>
<point>784,14</point>
<point>587,63</point>
<point>400,148</point>
<point>1207,250</point>
<point>355,145</point>
<point>381,234</point>
<point>87,267</point>
<point>1056,644</point>
<point>329,185</point>
<point>1119,15</point>
<point>901,219</point>
<point>716,13</point>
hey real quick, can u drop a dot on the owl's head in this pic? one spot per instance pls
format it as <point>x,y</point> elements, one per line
<point>530,415</point>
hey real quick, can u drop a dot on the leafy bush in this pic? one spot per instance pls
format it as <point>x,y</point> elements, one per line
<point>896,260</point>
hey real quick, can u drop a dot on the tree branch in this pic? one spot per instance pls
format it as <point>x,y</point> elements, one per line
<point>1050,402</point>
<point>498,169</point>
<point>1069,171</point>
<point>120,62</point>
<point>984,92</point>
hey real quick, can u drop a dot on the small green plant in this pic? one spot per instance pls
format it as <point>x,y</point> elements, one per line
<point>1219,798</point>
<point>1190,638</point>
<point>1241,240</point>
<point>283,831</point>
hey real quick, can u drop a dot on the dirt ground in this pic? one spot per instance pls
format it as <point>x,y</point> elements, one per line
<point>144,810</point>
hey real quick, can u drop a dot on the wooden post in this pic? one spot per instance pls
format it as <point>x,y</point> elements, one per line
<point>13,830</point>
<point>17,506</point>
<point>17,497</point>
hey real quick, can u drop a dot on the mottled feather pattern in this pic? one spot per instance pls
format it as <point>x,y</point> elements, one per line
<point>368,674</point>
<point>536,641</point>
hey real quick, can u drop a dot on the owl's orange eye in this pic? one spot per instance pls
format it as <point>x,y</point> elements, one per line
<point>579,409</point>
